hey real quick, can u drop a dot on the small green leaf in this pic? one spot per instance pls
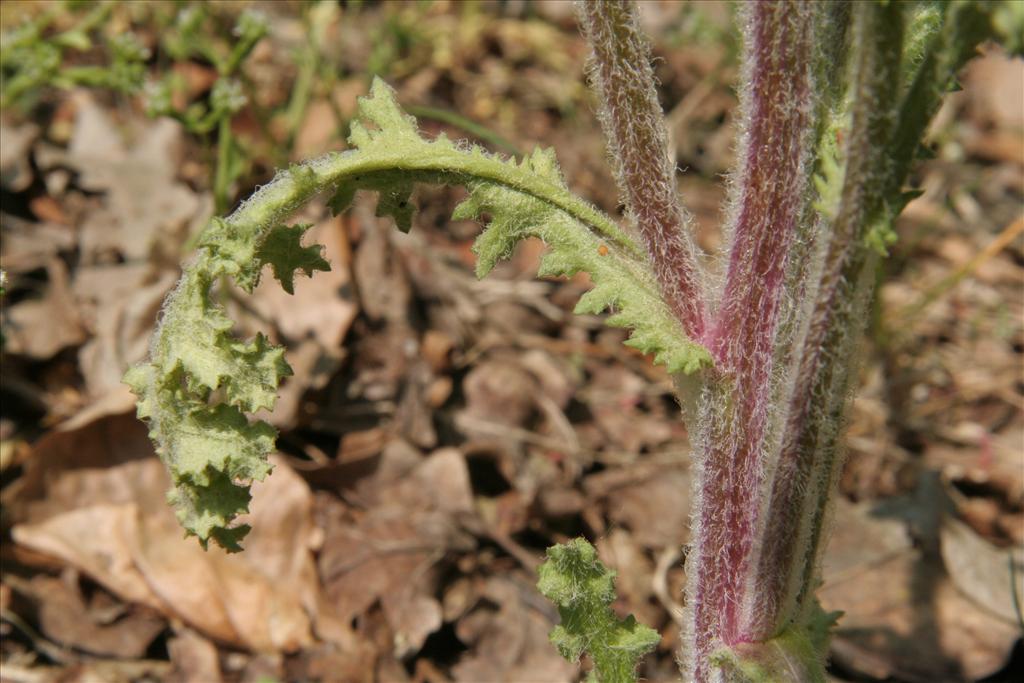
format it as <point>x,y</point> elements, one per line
<point>583,589</point>
<point>342,198</point>
<point>396,201</point>
<point>283,251</point>
<point>205,510</point>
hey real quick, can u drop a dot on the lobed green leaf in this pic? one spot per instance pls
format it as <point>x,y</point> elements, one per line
<point>201,381</point>
<point>284,253</point>
<point>583,589</point>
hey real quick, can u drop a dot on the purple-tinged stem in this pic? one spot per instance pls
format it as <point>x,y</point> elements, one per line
<point>638,144</point>
<point>770,195</point>
<point>803,479</point>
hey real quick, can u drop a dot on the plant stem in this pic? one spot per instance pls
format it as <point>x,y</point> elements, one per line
<point>908,315</point>
<point>770,199</point>
<point>275,200</point>
<point>477,130</point>
<point>221,178</point>
<point>316,20</point>
<point>638,145</point>
<point>803,478</point>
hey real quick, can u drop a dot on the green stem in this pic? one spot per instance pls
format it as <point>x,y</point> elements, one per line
<point>221,176</point>
<point>302,92</point>
<point>274,201</point>
<point>316,20</point>
<point>477,130</point>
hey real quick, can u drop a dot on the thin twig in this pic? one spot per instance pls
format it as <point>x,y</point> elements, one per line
<point>906,317</point>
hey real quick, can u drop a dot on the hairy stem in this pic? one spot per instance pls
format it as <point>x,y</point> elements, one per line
<point>280,198</point>
<point>638,144</point>
<point>770,198</point>
<point>802,479</point>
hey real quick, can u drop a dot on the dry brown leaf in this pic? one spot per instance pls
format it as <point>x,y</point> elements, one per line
<point>319,132</point>
<point>995,463</point>
<point>352,664</point>
<point>39,328</point>
<point>459,596</point>
<point>903,618</point>
<point>238,600</point>
<point>384,290</point>
<point>143,197</point>
<point>101,671</point>
<point>15,165</point>
<point>441,482</point>
<point>983,573</point>
<point>652,501</point>
<point>388,553</point>
<point>633,576</point>
<point>120,306</point>
<point>316,318</point>
<point>27,245</point>
<point>323,306</point>
<point>995,85</point>
<point>500,391</point>
<point>48,210</point>
<point>194,657</point>
<point>616,398</point>
<point>312,369</point>
<point>69,469</point>
<point>554,374</point>
<point>508,637</point>
<point>412,616</point>
<point>65,618</point>
<point>362,561</point>
<point>436,347</point>
<point>414,418</point>
<point>112,523</point>
<point>97,540</point>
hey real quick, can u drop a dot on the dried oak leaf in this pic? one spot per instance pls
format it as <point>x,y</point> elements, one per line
<point>95,499</point>
<point>144,200</point>
<point>388,553</point>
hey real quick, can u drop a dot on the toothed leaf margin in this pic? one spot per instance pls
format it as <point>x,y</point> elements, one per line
<point>201,383</point>
<point>583,589</point>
